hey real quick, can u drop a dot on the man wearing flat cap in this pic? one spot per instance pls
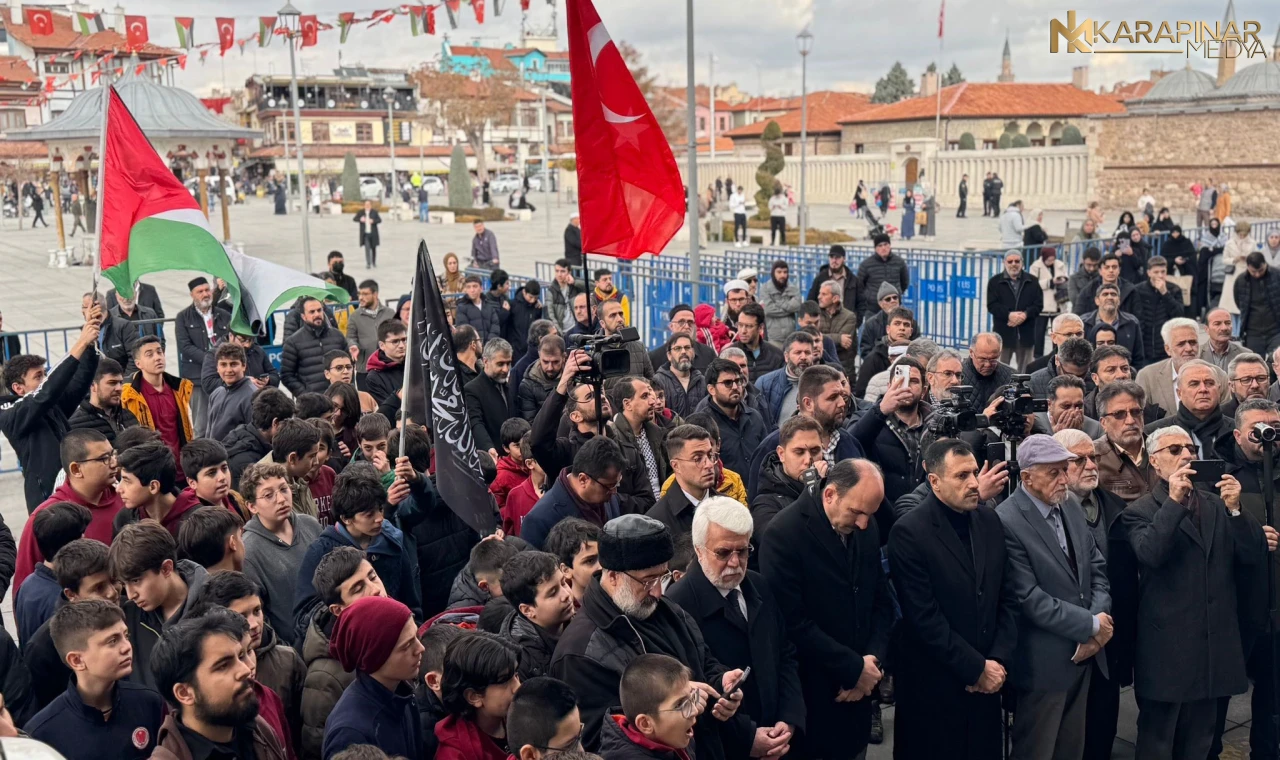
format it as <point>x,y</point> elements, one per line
<point>625,615</point>
<point>1058,577</point>
<point>200,327</point>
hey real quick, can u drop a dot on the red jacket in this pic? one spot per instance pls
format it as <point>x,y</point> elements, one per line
<point>99,528</point>
<point>510,474</point>
<point>186,503</point>
<point>271,709</point>
<point>711,331</point>
<point>519,503</point>
<point>462,740</point>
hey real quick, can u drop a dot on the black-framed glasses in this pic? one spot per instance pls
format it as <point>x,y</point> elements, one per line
<point>1176,449</point>
<point>724,555</point>
<point>607,488</point>
<point>735,383</point>
<point>653,583</point>
<point>1259,380</point>
<point>1120,415</point>
<point>574,744</point>
<point>104,459</point>
<point>688,707</point>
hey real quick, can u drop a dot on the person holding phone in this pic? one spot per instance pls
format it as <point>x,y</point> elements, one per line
<point>1193,548</point>
<point>1199,408</point>
<point>891,431</point>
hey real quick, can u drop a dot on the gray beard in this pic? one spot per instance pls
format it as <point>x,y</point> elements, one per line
<point>639,608</point>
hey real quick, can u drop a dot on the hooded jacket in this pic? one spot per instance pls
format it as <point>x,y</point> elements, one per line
<point>185,503</point>
<point>146,626</point>
<point>601,641</point>
<point>229,407</point>
<point>133,399</point>
<point>680,400</point>
<point>109,422</point>
<point>170,744</point>
<point>100,529</point>
<point>274,565</point>
<point>385,378</point>
<point>35,423</point>
<point>368,713</point>
<point>325,681</point>
<point>302,357</point>
<point>619,740</point>
<point>532,394</point>
<point>461,739</point>
<point>245,445</point>
<point>510,475</point>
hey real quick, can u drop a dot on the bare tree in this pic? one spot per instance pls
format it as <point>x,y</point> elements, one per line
<point>669,112</point>
<point>469,106</point>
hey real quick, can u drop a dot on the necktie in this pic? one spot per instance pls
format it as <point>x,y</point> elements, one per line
<point>733,609</point>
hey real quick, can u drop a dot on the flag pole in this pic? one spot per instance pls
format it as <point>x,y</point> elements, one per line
<point>107,90</point>
<point>409,353</point>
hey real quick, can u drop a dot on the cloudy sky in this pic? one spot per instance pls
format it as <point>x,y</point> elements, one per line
<point>754,40</point>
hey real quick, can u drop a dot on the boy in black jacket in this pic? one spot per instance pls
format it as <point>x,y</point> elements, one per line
<point>659,707</point>
<point>93,640</point>
<point>541,608</point>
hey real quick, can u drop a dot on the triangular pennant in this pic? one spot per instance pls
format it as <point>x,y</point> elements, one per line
<point>524,5</point>
<point>94,76</point>
<point>240,44</point>
<point>478,7</point>
<point>415,19</point>
<point>266,26</point>
<point>431,19</point>
<point>344,26</point>
<point>137,72</point>
<point>452,7</point>
<point>182,62</point>
<point>184,26</point>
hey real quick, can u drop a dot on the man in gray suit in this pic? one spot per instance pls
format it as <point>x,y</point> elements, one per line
<point>1058,577</point>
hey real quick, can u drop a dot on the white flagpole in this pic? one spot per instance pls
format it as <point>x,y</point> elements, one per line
<point>107,91</point>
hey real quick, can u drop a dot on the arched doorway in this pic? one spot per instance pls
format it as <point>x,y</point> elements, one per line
<point>913,170</point>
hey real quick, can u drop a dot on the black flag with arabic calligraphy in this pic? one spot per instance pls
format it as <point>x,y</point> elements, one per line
<point>435,394</point>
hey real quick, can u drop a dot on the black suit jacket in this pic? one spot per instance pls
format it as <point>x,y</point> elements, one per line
<point>956,615</point>
<point>193,339</point>
<point>674,511</point>
<point>773,691</point>
<point>838,610</point>
<point>487,408</point>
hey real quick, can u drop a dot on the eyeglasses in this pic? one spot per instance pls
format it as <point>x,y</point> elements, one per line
<point>607,488</point>
<point>651,584</point>
<point>750,281</point>
<point>736,383</point>
<point>688,707</point>
<point>1176,449</point>
<point>1259,380</point>
<point>575,744</point>
<point>701,460</point>
<point>724,555</point>
<point>894,299</point>
<point>1082,458</point>
<point>1121,415</point>
<point>948,374</point>
<point>396,341</point>
<point>104,459</point>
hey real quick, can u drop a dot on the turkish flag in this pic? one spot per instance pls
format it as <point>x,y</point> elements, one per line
<point>136,31</point>
<point>226,34</point>
<point>631,197</point>
<point>40,20</point>
<point>478,7</point>
<point>431,19</point>
<point>310,27</point>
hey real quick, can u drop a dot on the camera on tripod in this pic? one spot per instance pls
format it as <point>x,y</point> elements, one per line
<point>1261,432</point>
<point>953,416</point>
<point>609,358</point>
<point>1010,417</point>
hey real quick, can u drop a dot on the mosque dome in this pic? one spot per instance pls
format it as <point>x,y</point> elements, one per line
<point>1260,79</point>
<point>1186,84</point>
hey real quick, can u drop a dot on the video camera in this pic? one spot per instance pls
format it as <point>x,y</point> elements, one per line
<point>1261,432</point>
<point>608,356</point>
<point>1010,417</point>
<point>953,416</point>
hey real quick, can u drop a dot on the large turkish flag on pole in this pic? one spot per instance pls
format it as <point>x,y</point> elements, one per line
<point>631,197</point>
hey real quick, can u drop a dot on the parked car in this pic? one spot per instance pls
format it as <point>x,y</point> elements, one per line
<point>434,185</point>
<point>371,189</point>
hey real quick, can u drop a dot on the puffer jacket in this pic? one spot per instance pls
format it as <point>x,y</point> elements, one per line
<point>871,273</point>
<point>302,359</point>
<point>536,643</point>
<point>533,391</point>
<point>131,398</point>
<point>497,314</point>
<point>469,314</point>
<point>441,539</point>
<point>780,308</point>
<point>109,422</point>
<point>1153,310</point>
<point>902,468</point>
<point>245,445</point>
<point>777,490</point>
<point>773,388</point>
<point>324,684</point>
<point>465,591</point>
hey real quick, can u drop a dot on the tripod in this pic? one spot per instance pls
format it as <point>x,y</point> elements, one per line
<point>1269,505</point>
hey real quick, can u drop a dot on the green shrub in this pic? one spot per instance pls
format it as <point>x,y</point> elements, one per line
<point>967,142</point>
<point>1020,141</point>
<point>459,180</point>
<point>770,168</point>
<point>1071,136</point>
<point>1005,141</point>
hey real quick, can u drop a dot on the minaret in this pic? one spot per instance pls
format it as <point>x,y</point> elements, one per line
<point>1227,63</point>
<point>1006,62</point>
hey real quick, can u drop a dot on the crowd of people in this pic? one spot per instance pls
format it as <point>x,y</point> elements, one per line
<point>743,543</point>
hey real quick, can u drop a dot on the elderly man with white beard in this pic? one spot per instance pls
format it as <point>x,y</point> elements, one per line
<point>1102,509</point>
<point>624,615</point>
<point>1058,577</point>
<point>743,627</point>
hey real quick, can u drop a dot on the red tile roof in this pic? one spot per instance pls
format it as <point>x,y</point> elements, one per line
<point>766,104</point>
<point>65,37</point>
<point>993,100</point>
<point>1129,90</point>
<point>14,69</point>
<point>359,151</point>
<point>826,110</point>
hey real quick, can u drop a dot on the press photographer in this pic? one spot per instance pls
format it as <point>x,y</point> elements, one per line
<point>1010,416</point>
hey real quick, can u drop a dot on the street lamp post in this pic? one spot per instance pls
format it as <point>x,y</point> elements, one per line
<point>804,41</point>
<point>390,95</point>
<point>691,176</point>
<point>711,87</point>
<point>290,19</point>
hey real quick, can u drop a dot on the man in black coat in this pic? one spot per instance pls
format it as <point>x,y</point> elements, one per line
<point>763,356</point>
<point>1192,547</point>
<point>836,601</point>
<point>1199,411</point>
<point>1108,274</point>
<point>1156,301</point>
<point>486,397</point>
<point>892,430</point>
<point>1257,294</point>
<point>526,308</point>
<point>1014,300</point>
<point>200,328</point>
<point>624,615</point>
<point>102,410</point>
<point>783,471</point>
<point>742,428</point>
<point>337,263</point>
<point>573,240</point>
<point>691,452</point>
<point>959,623</point>
<point>983,370</point>
<point>743,626</point>
<point>34,408</point>
<point>146,296</point>
<point>302,362</point>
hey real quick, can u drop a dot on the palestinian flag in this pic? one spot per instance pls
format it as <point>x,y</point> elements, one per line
<point>150,223</point>
<point>89,23</point>
<point>184,25</point>
<point>451,7</point>
<point>266,27</point>
<point>344,25</point>
<point>415,19</point>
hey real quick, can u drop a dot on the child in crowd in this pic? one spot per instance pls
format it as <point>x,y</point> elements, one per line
<point>81,571</point>
<point>481,579</point>
<point>37,599</point>
<point>148,488</point>
<point>659,707</point>
<point>576,543</point>
<point>275,540</point>
<point>480,678</point>
<point>213,537</point>
<point>342,578</point>
<point>427,691</point>
<point>543,720</point>
<point>99,712</point>
<point>377,639</point>
<point>373,430</point>
<point>521,499</point>
<point>680,561</point>
<point>144,559</point>
<point>280,672</point>
<point>204,461</point>
<point>511,468</point>
<point>541,606</point>
<point>328,454</point>
<point>296,445</point>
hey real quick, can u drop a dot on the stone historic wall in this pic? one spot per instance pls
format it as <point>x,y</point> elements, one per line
<point>1166,153</point>
<point>875,138</point>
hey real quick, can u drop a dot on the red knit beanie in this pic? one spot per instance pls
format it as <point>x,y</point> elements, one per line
<point>367,632</point>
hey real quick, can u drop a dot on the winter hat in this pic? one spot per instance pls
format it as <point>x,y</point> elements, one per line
<point>498,278</point>
<point>881,238</point>
<point>887,289</point>
<point>748,274</point>
<point>634,542</point>
<point>197,282</point>
<point>367,632</point>
<point>677,309</point>
<point>780,264</point>
<point>733,285</point>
